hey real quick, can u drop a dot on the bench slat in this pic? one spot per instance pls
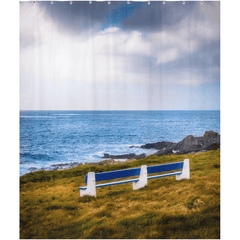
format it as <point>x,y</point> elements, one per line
<point>116,174</point>
<point>165,175</point>
<point>165,167</point>
<point>112,183</point>
<point>115,183</point>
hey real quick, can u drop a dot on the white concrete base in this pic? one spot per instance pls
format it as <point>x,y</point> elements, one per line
<point>185,171</point>
<point>91,189</point>
<point>142,178</point>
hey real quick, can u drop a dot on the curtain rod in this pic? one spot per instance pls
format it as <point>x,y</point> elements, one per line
<point>120,1</point>
<point>109,2</point>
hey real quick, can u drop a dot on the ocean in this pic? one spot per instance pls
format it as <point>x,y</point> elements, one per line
<point>53,137</point>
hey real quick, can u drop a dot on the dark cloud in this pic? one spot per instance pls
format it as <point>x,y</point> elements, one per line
<point>78,17</point>
<point>137,15</point>
<point>82,17</point>
<point>157,16</point>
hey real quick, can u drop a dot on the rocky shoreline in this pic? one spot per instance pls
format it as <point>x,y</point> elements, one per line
<point>53,167</point>
<point>125,156</point>
<point>64,166</point>
<point>190,144</point>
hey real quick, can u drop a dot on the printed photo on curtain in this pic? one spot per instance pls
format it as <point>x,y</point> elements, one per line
<point>119,119</point>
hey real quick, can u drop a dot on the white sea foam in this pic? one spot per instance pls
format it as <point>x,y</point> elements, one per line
<point>121,160</point>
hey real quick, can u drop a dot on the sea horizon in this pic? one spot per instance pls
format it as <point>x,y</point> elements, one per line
<point>124,110</point>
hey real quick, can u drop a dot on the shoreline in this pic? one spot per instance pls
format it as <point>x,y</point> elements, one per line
<point>190,144</point>
<point>65,166</point>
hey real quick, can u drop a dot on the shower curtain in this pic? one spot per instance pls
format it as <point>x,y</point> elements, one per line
<point>119,56</point>
<point>106,81</point>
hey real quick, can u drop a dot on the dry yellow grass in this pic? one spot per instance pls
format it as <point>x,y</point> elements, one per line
<point>166,208</point>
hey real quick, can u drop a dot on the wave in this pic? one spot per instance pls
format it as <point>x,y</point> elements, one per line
<point>28,157</point>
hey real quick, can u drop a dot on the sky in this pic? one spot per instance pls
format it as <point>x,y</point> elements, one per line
<point>120,56</point>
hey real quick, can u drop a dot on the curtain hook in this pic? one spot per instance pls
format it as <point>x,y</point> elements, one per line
<point>109,2</point>
<point>70,2</point>
<point>163,2</point>
<point>51,2</point>
<point>128,2</point>
<point>90,2</point>
<point>148,2</point>
<point>183,2</point>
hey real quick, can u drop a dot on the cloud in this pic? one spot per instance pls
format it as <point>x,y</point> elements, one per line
<point>56,61</point>
<point>167,56</point>
<point>111,30</point>
<point>187,78</point>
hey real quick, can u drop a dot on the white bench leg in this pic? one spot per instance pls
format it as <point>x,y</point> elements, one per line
<point>185,171</point>
<point>142,178</point>
<point>91,188</point>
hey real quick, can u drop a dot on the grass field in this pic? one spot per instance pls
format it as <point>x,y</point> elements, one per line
<point>51,207</point>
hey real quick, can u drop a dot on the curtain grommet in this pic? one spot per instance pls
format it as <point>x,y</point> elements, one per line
<point>90,2</point>
<point>51,2</point>
<point>70,2</point>
<point>128,2</point>
<point>149,2</point>
<point>183,2</point>
<point>163,2</point>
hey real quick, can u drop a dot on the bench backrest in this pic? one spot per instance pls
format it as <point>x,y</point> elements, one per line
<point>135,171</point>
<point>164,167</point>
<point>116,174</point>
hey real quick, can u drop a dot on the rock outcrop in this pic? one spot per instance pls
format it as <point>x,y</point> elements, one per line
<point>190,144</point>
<point>158,145</point>
<point>125,156</point>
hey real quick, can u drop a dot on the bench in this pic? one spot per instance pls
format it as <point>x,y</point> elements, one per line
<point>91,178</point>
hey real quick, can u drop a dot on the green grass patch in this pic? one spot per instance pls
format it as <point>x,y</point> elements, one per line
<point>86,199</point>
<point>138,223</point>
<point>116,193</point>
<point>104,213</point>
<point>53,207</point>
<point>190,203</point>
